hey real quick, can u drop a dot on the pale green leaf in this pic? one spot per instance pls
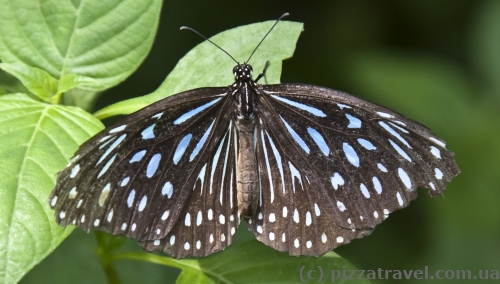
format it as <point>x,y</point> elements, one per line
<point>36,140</point>
<point>39,82</point>
<point>254,262</point>
<point>71,81</point>
<point>103,40</point>
<point>207,66</point>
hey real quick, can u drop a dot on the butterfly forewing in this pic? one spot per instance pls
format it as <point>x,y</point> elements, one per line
<point>210,216</point>
<point>141,177</point>
<point>333,166</point>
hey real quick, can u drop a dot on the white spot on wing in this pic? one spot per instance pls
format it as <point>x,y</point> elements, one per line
<point>111,148</point>
<point>72,194</point>
<point>143,203</point>
<point>131,198</point>
<point>377,185</point>
<point>199,218</point>
<point>104,194</point>
<point>382,167</point>
<point>106,167</point>
<point>404,178</point>
<point>138,156</point>
<point>118,129</point>
<point>342,106</point>
<point>354,122</point>
<point>435,151</point>
<point>194,112</point>
<point>181,148</point>
<point>439,173</point>
<point>308,218</point>
<point>277,156</point>
<point>167,189</point>
<point>295,173</point>
<point>400,151</point>
<point>296,137</point>
<point>364,190</point>
<point>336,180</point>
<point>153,165</point>
<point>341,206</point>
<point>271,186</point>
<point>350,154</point>
<point>316,209</point>
<point>366,144</point>
<point>431,184</point>
<point>296,216</point>
<point>394,133</point>
<point>54,199</point>
<point>323,238</point>
<point>385,115</point>
<point>320,141</point>
<point>148,132</point>
<point>74,171</point>
<point>165,215</point>
<point>201,142</point>
<point>125,181</point>
<point>400,200</point>
<point>309,109</point>
<point>439,142</point>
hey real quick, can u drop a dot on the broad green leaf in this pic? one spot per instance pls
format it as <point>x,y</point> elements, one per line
<point>254,262</point>
<point>36,140</point>
<point>71,81</point>
<point>39,82</point>
<point>81,98</point>
<point>103,40</point>
<point>11,84</point>
<point>207,66</point>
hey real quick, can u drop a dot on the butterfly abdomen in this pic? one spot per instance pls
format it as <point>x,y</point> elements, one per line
<point>247,177</point>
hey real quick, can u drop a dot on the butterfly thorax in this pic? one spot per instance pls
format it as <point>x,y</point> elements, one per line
<point>244,91</point>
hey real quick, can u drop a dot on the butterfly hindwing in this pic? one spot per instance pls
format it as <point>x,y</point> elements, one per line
<point>140,178</point>
<point>333,166</point>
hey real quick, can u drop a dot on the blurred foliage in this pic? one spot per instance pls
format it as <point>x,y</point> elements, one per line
<point>435,61</point>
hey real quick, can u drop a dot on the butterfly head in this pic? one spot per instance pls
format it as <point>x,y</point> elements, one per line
<point>243,72</point>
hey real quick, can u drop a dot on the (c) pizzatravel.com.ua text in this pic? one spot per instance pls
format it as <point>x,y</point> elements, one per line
<point>319,274</point>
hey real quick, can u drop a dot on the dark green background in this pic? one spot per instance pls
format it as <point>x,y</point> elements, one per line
<point>435,61</point>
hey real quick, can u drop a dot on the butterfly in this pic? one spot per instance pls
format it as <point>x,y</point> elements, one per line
<point>307,168</point>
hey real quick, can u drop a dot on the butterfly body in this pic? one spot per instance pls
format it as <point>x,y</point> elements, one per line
<point>308,168</point>
<point>247,178</point>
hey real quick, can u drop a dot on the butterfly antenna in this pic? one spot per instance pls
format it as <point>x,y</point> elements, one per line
<point>282,16</point>
<point>188,28</point>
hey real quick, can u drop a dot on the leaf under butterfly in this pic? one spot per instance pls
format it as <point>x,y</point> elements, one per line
<point>35,138</point>
<point>205,65</point>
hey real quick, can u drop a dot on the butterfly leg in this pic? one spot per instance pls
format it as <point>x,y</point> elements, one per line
<point>263,73</point>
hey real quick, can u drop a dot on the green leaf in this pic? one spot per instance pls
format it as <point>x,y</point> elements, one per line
<point>36,140</point>
<point>70,81</point>
<point>73,81</point>
<point>207,66</point>
<point>39,82</point>
<point>11,84</point>
<point>103,40</point>
<point>253,262</point>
